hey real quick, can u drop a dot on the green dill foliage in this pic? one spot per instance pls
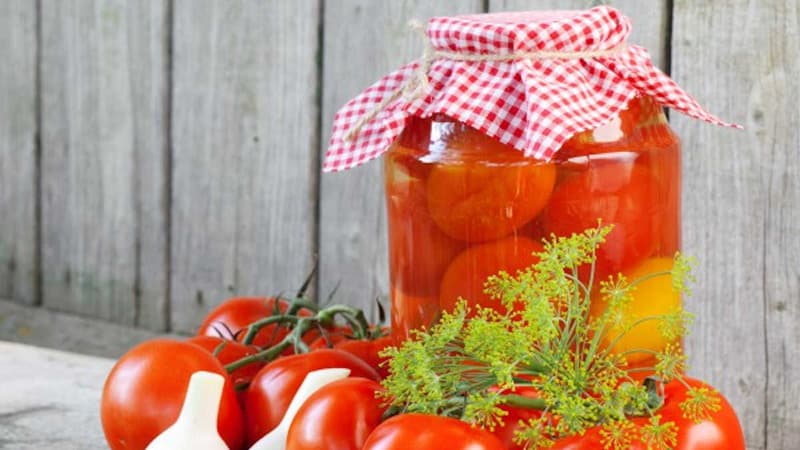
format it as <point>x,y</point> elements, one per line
<point>469,365</point>
<point>659,435</point>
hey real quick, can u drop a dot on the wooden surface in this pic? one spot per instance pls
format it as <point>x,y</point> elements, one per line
<point>180,146</point>
<point>44,328</point>
<point>353,235</point>
<point>50,399</point>
<point>18,147</point>
<point>742,206</point>
<point>245,155</point>
<point>103,91</point>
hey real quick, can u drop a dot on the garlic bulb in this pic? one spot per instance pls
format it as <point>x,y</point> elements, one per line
<point>196,427</point>
<point>276,439</point>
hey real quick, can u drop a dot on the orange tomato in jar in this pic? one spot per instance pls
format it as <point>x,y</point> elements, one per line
<point>621,193</point>
<point>419,252</point>
<point>663,158</point>
<point>619,134</point>
<point>467,274</point>
<point>486,190</point>
<point>411,312</point>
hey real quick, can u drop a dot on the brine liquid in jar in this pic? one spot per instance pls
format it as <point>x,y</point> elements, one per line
<point>462,206</point>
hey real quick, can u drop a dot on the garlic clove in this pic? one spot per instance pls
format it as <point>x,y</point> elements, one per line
<point>196,427</point>
<point>276,439</point>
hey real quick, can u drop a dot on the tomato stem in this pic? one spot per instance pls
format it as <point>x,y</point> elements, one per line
<point>256,326</point>
<point>299,327</point>
<point>262,356</point>
<point>218,349</point>
<point>354,317</point>
<point>299,303</point>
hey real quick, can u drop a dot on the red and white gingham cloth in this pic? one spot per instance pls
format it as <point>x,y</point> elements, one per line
<point>533,104</point>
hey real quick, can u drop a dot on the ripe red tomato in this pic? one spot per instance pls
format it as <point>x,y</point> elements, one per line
<point>234,315</point>
<point>145,390</point>
<point>272,389</point>
<point>619,193</point>
<point>424,432</point>
<point>339,416</point>
<point>468,272</point>
<point>511,422</point>
<point>721,432</point>
<point>331,337</point>
<point>231,352</point>
<point>366,349</point>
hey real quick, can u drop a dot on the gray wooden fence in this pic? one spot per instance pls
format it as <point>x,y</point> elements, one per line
<point>159,156</point>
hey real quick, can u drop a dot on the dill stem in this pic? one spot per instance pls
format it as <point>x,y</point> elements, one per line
<point>521,401</point>
<point>635,324</point>
<point>649,276</point>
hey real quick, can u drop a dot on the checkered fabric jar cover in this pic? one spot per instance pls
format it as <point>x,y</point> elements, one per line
<point>531,80</point>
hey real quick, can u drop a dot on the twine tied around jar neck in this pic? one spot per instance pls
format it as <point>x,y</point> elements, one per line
<point>419,83</point>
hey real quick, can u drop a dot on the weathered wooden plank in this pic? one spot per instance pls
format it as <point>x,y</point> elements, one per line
<point>765,40</point>
<point>741,205</point>
<point>363,40</point>
<point>50,399</point>
<point>650,19</point>
<point>44,328</point>
<point>104,152</point>
<point>779,115</point>
<point>245,150</point>
<point>18,128</point>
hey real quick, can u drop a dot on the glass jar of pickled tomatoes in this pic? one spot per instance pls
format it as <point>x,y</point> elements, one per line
<point>482,161</point>
<point>462,206</point>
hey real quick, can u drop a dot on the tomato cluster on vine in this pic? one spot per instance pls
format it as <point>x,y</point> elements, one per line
<point>264,347</point>
<point>256,344</point>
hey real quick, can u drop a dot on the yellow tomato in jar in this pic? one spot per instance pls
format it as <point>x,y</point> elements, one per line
<point>653,297</point>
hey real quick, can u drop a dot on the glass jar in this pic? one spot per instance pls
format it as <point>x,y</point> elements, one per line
<point>462,206</point>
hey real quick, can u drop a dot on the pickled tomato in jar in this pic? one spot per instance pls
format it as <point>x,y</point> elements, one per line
<point>462,206</point>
